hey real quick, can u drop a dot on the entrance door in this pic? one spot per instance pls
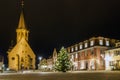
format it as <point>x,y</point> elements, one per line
<point>86,65</point>
<point>118,64</point>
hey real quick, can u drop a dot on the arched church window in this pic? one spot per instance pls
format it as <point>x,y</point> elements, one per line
<point>22,34</point>
<point>25,45</point>
<point>22,59</point>
<point>22,51</point>
<point>25,51</point>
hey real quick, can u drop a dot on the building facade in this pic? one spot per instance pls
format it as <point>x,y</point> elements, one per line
<point>1,63</point>
<point>112,58</point>
<point>48,64</point>
<point>51,61</point>
<point>90,54</point>
<point>21,56</point>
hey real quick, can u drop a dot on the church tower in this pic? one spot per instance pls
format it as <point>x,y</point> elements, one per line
<point>21,56</point>
<point>22,31</point>
<point>54,56</point>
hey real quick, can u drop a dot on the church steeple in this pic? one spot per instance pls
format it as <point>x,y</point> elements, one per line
<point>21,24</point>
<point>54,55</point>
<point>22,31</point>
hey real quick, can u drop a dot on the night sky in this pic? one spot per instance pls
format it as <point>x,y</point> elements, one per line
<point>57,23</point>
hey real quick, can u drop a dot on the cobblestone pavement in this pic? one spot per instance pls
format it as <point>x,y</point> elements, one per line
<point>80,75</point>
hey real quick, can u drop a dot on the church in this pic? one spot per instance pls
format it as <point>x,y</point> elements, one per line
<point>21,56</point>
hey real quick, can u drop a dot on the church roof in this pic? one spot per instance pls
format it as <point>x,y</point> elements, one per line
<point>22,45</point>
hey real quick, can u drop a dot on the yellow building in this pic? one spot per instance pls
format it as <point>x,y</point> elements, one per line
<point>21,56</point>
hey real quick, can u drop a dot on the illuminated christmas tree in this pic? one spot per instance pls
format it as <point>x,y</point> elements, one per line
<point>63,62</point>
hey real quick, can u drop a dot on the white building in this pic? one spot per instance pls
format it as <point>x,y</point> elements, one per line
<point>112,58</point>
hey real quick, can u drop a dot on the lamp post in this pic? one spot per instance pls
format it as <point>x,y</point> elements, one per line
<point>40,58</point>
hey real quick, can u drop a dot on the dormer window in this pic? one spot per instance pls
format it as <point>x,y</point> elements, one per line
<point>91,43</point>
<point>76,48</point>
<point>101,42</point>
<point>81,46</point>
<point>86,45</point>
<point>72,49</point>
<point>107,43</point>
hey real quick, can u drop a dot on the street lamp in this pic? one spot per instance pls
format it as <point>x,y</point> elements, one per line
<point>40,58</point>
<point>39,62</point>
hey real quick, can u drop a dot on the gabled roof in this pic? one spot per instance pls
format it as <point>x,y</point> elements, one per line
<point>22,45</point>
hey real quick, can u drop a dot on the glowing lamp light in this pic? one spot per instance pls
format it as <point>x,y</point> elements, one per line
<point>40,58</point>
<point>108,58</point>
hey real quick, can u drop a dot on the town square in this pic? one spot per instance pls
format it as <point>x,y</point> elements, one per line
<point>59,40</point>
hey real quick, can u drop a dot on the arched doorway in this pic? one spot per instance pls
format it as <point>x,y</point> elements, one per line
<point>86,65</point>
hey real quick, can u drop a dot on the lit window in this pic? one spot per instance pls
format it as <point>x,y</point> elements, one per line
<point>81,46</point>
<point>102,55</point>
<point>72,49</point>
<point>116,53</point>
<point>86,45</point>
<point>76,55</point>
<point>118,45</point>
<point>91,43</point>
<point>111,63</point>
<point>107,43</point>
<point>76,48</point>
<point>101,42</point>
<point>72,56</point>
